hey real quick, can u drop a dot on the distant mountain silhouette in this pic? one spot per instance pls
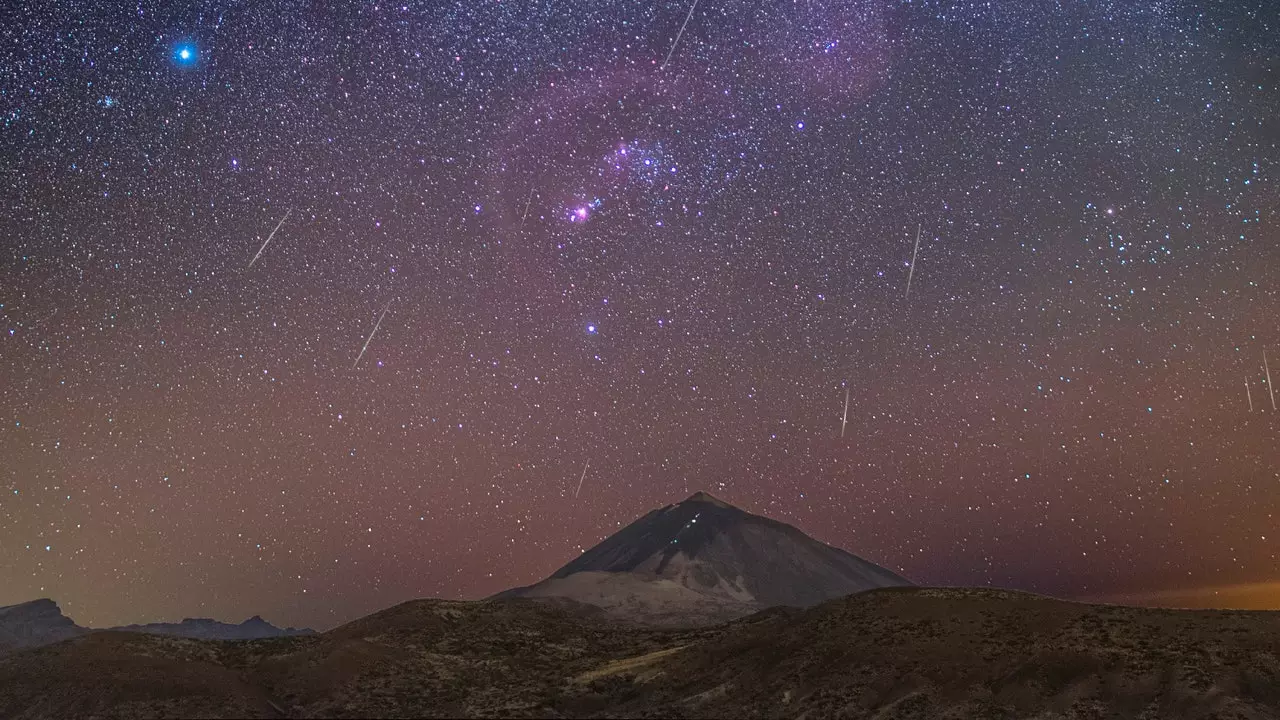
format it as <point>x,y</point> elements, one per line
<point>704,560</point>
<point>41,622</point>
<point>254,628</point>
<point>34,623</point>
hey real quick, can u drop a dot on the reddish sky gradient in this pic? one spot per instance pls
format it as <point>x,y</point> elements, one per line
<point>674,274</point>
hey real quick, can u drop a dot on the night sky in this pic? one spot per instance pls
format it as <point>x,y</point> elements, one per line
<point>577,253</point>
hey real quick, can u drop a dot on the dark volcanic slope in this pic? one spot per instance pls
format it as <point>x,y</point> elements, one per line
<point>712,559</point>
<point>892,653</point>
<point>34,623</point>
<point>772,561</point>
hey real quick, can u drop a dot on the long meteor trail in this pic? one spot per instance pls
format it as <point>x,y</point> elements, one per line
<point>679,35</point>
<point>1270,389</point>
<point>1247,393</point>
<point>584,477</point>
<point>370,338</point>
<point>914,253</point>
<point>527,203</point>
<point>844,419</point>
<point>273,234</point>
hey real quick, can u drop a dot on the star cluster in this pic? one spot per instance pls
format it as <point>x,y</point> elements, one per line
<point>554,250</point>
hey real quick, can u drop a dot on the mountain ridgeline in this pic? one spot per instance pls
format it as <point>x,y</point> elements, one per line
<point>41,622</point>
<point>255,628</point>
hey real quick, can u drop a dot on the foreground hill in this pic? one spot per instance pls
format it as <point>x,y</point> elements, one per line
<point>704,561</point>
<point>890,653</point>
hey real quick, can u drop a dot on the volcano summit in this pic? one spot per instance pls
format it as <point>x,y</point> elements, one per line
<point>703,561</point>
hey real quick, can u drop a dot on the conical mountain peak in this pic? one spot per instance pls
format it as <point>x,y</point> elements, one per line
<point>705,497</point>
<point>703,559</point>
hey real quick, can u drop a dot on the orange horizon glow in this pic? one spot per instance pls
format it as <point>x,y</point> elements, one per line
<point>1243,596</point>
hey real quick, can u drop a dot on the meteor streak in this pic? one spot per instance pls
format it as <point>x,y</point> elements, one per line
<point>916,252</point>
<point>678,35</point>
<point>527,203</point>
<point>844,419</point>
<point>273,234</point>
<point>584,477</point>
<point>370,338</point>
<point>1270,389</point>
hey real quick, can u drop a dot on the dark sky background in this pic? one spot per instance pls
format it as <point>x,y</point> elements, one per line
<point>674,274</point>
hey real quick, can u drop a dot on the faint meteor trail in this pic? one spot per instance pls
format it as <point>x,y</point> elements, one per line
<point>370,338</point>
<point>914,253</point>
<point>584,477</point>
<point>678,35</point>
<point>527,203</point>
<point>273,234</point>
<point>1248,394</point>
<point>844,419</point>
<point>1269,388</point>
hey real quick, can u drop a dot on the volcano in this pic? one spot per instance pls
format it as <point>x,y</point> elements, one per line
<point>704,561</point>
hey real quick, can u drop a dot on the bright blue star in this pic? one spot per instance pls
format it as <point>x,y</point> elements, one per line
<point>185,54</point>
<point>591,329</point>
